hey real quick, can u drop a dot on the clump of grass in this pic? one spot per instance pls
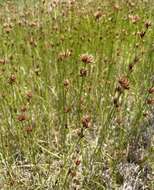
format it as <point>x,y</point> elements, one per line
<point>76,98</point>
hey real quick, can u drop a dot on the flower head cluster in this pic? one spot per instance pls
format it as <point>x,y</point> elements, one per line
<point>87,59</point>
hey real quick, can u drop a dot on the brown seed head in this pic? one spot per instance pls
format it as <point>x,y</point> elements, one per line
<point>150,101</point>
<point>29,129</point>
<point>64,55</point>
<point>130,66</point>
<point>124,83</point>
<point>2,61</point>
<point>66,82</point>
<point>73,173</point>
<point>147,24</point>
<point>22,117</point>
<point>141,34</point>
<point>7,27</point>
<point>117,7</point>
<point>32,42</point>
<point>87,59</point>
<point>67,109</point>
<point>29,95</point>
<point>34,24</point>
<point>86,121</point>
<point>151,90</point>
<point>134,18</point>
<point>98,15</point>
<point>12,79</point>
<point>83,72</point>
<point>77,162</point>
<point>23,109</point>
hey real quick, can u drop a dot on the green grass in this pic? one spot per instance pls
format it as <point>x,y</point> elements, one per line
<point>75,103</point>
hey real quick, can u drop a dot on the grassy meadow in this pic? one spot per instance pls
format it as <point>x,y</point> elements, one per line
<point>77,95</point>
